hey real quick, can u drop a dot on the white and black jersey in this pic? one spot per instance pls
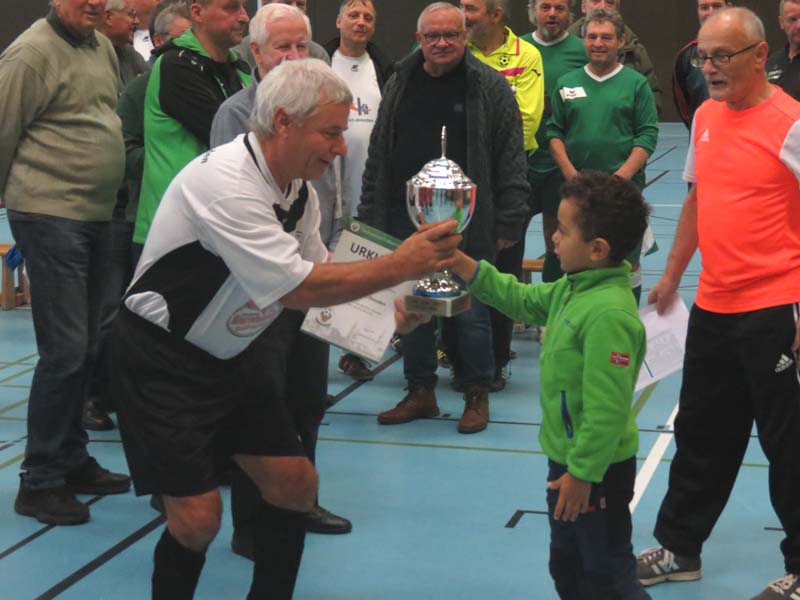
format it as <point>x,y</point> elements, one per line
<point>225,245</point>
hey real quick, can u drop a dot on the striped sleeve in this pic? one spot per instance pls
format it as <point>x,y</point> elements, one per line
<point>790,151</point>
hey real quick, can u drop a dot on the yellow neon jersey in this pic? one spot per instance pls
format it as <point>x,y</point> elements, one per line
<point>521,64</point>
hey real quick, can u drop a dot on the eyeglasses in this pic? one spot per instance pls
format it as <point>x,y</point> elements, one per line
<point>434,36</point>
<point>131,14</point>
<point>719,59</point>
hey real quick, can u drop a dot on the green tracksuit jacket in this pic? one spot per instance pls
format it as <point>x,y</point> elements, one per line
<point>588,364</point>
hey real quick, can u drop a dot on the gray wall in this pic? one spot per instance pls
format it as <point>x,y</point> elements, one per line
<point>662,25</point>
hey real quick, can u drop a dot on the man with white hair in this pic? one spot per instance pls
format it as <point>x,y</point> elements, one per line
<point>314,49</point>
<point>236,241</point>
<point>118,25</point>
<point>279,32</point>
<point>743,213</point>
<point>61,163</point>
<point>444,85</point>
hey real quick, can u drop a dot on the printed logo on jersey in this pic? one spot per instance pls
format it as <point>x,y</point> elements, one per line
<point>354,68</point>
<point>618,358</point>
<point>249,320</point>
<point>705,137</point>
<point>784,362</point>
<point>568,93</point>
<point>504,61</point>
<point>360,108</point>
<point>774,74</point>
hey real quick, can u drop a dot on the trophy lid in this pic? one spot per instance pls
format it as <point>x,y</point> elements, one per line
<point>441,173</point>
<point>441,191</point>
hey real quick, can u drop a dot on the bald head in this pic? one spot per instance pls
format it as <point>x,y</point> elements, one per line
<point>732,51</point>
<point>737,20</point>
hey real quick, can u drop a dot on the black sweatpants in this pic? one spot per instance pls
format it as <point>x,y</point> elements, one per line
<point>738,368</point>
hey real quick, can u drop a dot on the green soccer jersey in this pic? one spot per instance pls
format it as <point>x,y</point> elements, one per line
<point>601,119</point>
<point>559,57</point>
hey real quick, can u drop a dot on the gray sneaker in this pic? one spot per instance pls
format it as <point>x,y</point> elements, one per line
<point>659,564</point>
<point>787,587</point>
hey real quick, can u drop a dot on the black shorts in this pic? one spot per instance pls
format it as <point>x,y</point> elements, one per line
<point>183,413</point>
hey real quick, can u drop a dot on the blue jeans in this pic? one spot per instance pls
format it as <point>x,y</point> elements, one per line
<point>592,558</point>
<point>66,262</point>
<point>117,280</point>
<point>468,341</point>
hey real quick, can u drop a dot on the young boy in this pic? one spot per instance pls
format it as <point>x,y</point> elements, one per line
<point>589,365</point>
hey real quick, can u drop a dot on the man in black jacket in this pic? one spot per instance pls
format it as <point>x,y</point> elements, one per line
<point>442,84</point>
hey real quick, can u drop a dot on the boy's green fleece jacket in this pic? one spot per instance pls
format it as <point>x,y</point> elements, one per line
<point>588,363</point>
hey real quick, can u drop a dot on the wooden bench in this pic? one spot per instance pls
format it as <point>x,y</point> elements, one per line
<point>12,294</point>
<point>531,265</point>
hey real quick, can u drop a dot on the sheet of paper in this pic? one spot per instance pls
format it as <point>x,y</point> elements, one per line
<point>666,341</point>
<point>364,326</point>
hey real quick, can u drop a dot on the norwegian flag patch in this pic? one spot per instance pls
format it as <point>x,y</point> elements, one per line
<point>618,358</point>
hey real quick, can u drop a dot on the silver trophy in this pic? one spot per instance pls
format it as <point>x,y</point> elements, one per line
<point>440,191</point>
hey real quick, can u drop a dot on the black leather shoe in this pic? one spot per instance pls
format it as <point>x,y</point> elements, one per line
<point>242,544</point>
<point>320,520</point>
<point>157,503</point>
<point>95,418</point>
<point>54,506</point>
<point>91,478</point>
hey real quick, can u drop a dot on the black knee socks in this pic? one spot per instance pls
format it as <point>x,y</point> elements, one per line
<point>278,547</point>
<point>176,570</point>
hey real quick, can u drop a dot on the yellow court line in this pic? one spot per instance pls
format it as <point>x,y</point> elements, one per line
<point>15,375</point>
<point>11,461</point>
<point>5,365</point>
<point>5,409</point>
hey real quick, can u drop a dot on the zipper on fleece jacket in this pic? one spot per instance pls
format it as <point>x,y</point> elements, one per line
<point>565,416</point>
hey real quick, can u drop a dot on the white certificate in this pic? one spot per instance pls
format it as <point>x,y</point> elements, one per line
<point>364,326</point>
<point>666,341</point>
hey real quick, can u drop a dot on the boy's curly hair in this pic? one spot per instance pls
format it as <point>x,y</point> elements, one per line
<point>610,208</point>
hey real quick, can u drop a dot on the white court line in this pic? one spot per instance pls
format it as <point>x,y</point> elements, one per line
<point>650,465</point>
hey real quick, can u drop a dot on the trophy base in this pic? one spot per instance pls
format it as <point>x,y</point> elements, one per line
<point>438,307</point>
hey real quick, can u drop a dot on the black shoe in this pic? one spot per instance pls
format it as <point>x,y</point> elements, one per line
<point>242,544</point>
<point>95,418</point>
<point>320,520</point>
<point>54,506</point>
<point>91,478</point>
<point>157,503</point>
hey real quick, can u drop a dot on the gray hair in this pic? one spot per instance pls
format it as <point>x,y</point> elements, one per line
<point>436,6</point>
<point>269,13</point>
<point>753,26</point>
<point>116,5</point>
<point>605,16</point>
<point>783,3</point>
<point>298,87</point>
<point>533,5</point>
<point>345,3</point>
<point>166,17</point>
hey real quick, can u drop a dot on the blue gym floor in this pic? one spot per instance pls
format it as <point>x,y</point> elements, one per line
<point>436,514</point>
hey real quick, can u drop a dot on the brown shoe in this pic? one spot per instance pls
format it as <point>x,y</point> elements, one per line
<point>419,403</point>
<point>476,409</point>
